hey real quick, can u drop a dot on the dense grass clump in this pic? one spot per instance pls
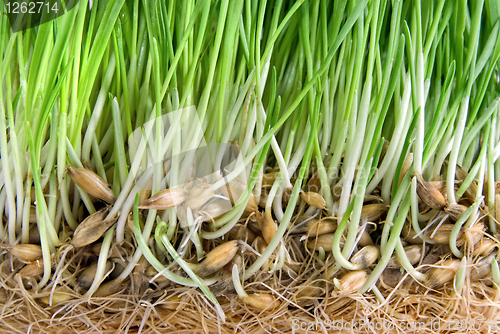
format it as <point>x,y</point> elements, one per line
<point>221,166</point>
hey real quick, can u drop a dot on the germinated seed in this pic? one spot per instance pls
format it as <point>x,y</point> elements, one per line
<point>413,253</point>
<point>86,278</point>
<point>152,272</point>
<point>429,194</point>
<point>91,183</point>
<point>313,199</point>
<point>241,232</point>
<point>482,267</point>
<point>57,297</point>
<point>217,258</point>
<point>455,210</point>
<point>23,252</point>
<point>267,226</point>
<point>213,210</point>
<point>92,228</point>
<point>406,167</point>
<point>261,301</point>
<point>366,256</point>
<point>34,268</point>
<point>484,247</point>
<point>314,183</point>
<point>233,190</point>
<point>410,235</point>
<point>324,241</point>
<point>320,227</point>
<point>352,282</point>
<point>338,304</point>
<point>365,239</point>
<point>111,287</point>
<point>373,212</point>
<point>268,179</point>
<point>471,235</point>
<point>439,276</point>
<point>260,246</point>
<point>197,196</point>
<point>441,236</point>
<point>165,199</point>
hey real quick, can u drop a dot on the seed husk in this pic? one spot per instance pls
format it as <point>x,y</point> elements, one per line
<point>315,227</point>
<point>439,185</point>
<point>240,232</point>
<point>352,282</point>
<point>286,195</point>
<point>214,210</point>
<point>233,190</point>
<point>409,235</point>
<point>439,276</point>
<point>314,183</point>
<point>429,194</point>
<point>482,267</point>
<point>86,278</point>
<point>391,277</point>
<point>484,247</point>
<point>267,226</point>
<point>406,167</point>
<point>111,287</point>
<point>319,227</point>
<point>338,304</point>
<point>23,252</point>
<point>165,199</point>
<point>385,147</point>
<point>308,292</point>
<point>442,235</point>
<point>197,196</point>
<point>324,241</point>
<point>413,253</point>
<point>92,184</point>
<point>57,297</point>
<point>260,246</point>
<point>373,212</point>
<point>268,179</point>
<point>264,193</point>
<point>261,301</point>
<point>92,228</point>
<point>366,256</point>
<point>313,199</point>
<point>224,284</point>
<point>455,210</point>
<point>34,268</point>
<point>472,235</point>
<point>217,258</point>
<point>365,239</point>
<point>460,173</point>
